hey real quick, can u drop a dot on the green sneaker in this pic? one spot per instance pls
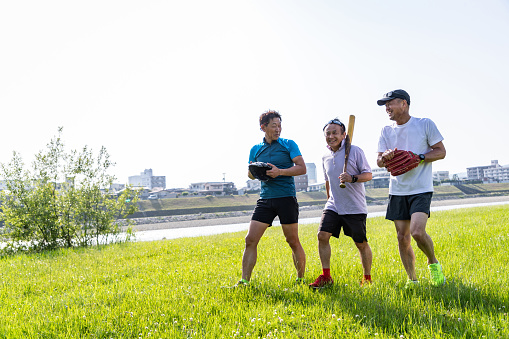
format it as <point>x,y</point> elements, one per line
<point>242,282</point>
<point>436,275</point>
<point>410,284</point>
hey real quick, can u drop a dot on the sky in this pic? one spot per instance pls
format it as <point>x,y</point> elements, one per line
<point>178,86</point>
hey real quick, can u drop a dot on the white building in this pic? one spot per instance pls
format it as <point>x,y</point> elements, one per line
<point>380,172</point>
<point>147,179</point>
<point>440,176</point>
<point>477,173</point>
<point>316,187</point>
<point>213,188</point>
<point>497,173</point>
<point>254,185</point>
<point>311,172</point>
<point>380,178</point>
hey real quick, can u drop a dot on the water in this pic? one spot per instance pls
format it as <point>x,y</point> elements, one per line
<point>219,229</point>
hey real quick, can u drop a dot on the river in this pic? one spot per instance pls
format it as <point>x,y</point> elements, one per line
<point>199,231</point>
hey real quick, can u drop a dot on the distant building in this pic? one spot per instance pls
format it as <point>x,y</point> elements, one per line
<point>311,172</point>
<point>254,185</point>
<point>301,183</point>
<point>497,173</point>
<point>477,173</point>
<point>440,176</point>
<point>213,188</point>
<point>117,187</point>
<point>316,187</point>
<point>381,178</point>
<point>147,179</point>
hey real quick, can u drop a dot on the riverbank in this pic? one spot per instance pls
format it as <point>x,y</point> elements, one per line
<point>211,219</point>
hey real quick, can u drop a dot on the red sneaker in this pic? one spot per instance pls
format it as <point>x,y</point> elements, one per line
<point>322,281</point>
<point>365,282</point>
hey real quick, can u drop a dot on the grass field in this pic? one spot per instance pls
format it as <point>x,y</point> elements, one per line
<point>173,288</point>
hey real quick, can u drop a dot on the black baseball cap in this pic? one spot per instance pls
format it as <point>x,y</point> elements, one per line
<point>397,93</point>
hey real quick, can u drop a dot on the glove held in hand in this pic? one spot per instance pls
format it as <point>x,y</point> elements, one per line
<point>259,170</point>
<point>402,162</point>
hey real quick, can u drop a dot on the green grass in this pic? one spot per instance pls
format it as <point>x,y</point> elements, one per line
<point>492,188</point>
<point>173,288</point>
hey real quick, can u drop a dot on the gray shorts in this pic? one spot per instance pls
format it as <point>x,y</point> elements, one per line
<point>401,207</point>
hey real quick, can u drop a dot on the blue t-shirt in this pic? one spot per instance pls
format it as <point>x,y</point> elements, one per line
<point>279,153</point>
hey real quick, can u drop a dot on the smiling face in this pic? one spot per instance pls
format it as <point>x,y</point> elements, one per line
<point>272,130</point>
<point>334,134</point>
<point>397,109</point>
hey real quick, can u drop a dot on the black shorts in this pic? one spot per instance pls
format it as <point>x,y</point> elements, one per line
<point>287,209</point>
<point>354,225</point>
<point>401,207</point>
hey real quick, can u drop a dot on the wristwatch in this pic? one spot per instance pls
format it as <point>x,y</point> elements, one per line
<point>354,179</point>
<point>422,157</point>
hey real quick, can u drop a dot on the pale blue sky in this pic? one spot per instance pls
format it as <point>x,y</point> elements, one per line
<point>177,86</point>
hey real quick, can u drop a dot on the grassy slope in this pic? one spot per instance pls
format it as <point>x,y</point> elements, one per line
<point>319,197</point>
<point>173,288</point>
<point>219,201</point>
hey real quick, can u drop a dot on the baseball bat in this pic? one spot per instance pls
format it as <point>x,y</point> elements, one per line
<point>348,143</point>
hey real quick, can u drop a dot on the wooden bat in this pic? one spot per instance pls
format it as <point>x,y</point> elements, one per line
<point>348,143</point>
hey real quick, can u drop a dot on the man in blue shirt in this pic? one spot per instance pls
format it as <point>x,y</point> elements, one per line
<point>277,197</point>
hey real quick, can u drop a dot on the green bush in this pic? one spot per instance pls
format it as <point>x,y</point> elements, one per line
<point>62,201</point>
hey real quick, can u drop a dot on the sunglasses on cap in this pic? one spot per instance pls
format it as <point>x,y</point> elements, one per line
<point>335,122</point>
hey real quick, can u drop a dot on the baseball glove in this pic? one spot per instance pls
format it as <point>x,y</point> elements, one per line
<point>259,170</point>
<point>402,162</point>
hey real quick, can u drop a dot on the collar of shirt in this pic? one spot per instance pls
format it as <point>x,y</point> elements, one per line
<point>266,143</point>
<point>330,148</point>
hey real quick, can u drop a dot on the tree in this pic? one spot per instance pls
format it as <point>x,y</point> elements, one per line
<point>62,201</point>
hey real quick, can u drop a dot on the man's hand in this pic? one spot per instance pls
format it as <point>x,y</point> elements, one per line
<point>345,177</point>
<point>388,155</point>
<point>274,172</point>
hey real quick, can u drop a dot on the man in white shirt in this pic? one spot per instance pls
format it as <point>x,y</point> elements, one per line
<point>410,193</point>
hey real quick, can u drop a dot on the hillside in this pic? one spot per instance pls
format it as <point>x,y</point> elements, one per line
<point>213,204</point>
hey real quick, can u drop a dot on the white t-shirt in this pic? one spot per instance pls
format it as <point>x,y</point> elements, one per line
<point>417,135</point>
<point>352,198</point>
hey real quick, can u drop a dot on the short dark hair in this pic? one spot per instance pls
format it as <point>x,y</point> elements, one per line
<point>267,116</point>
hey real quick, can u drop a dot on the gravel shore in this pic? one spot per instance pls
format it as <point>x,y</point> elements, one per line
<point>210,219</point>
